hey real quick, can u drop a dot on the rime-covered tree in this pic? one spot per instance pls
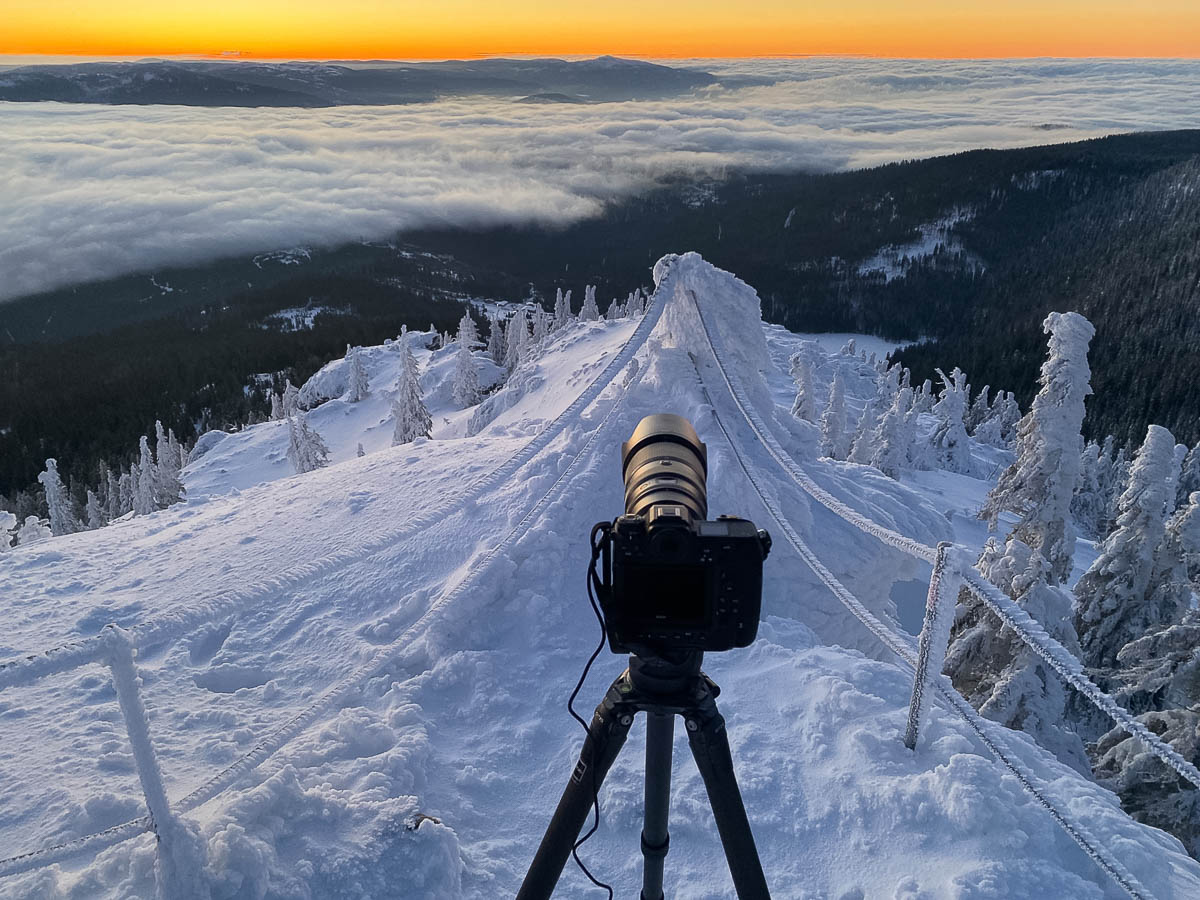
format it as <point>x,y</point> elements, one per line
<point>468,332</point>
<point>412,419</point>
<point>980,410</point>
<point>465,389</point>
<point>306,450</point>
<point>1009,416</point>
<point>112,496</point>
<point>614,311</point>
<point>562,309</point>
<point>94,512</point>
<point>516,340</point>
<point>541,326</point>
<point>359,384</point>
<point>33,530</point>
<point>168,484</point>
<point>834,439</point>
<point>276,406</point>
<point>495,345</point>
<point>1001,677</point>
<point>143,489</point>
<point>291,399</point>
<point>1117,485</point>
<point>1039,485</point>
<point>126,489</point>
<point>849,348</point>
<point>1189,476</point>
<point>949,442</point>
<point>1087,504</point>
<point>590,311</point>
<point>8,525</point>
<point>805,405</point>
<point>1115,600</point>
<point>892,439</point>
<point>58,501</point>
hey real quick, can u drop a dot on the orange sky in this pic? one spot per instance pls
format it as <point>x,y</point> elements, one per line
<point>404,29</point>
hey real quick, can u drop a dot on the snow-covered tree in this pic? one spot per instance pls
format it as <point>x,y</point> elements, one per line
<point>359,384</point>
<point>862,446</point>
<point>306,450</point>
<point>468,332</point>
<point>8,525</point>
<point>465,389</point>
<point>359,451</point>
<point>1115,600</point>
<point>562,309</point>
<point>949,442</point>
<point>893,439</point>
<point>1009,416</point>
<point>590,311</point>
<point>849,348</point>
<point>291,399</point>
<point>1118,482</point>
<point>834,439</point>
<point>516,340</point>
<point>995,670</point>
<point>412,419</point>
<point>34,529</point>
<point>1189,476</point>
<point>541,326</point>
<point>168,484</point>
<point>58,501</point>
<point>805,405</point>
<point>923,398</point>
<point>126,489</point>
<point>276,406</point>
<point>95,512</point>
<point>1087,504</point>
<point>980,410</point>
<point>614,311</point>
<point>495,345</point>
<point>1039,485</point>
<point>143,490</point>
<point>112,496</point>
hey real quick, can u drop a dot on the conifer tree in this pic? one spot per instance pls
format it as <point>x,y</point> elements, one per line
<point>804,406</point>
<point>562,309</point>
<point>168,485</point>
<point>359,384</point>
<point>143,489</point>
<point>58,501</point>
<point>1086,504</point>
<point>291,399</point>
<point>112,496</point>
<point>541,326</point>
<point>33,530</point>
<point>8,526</point>
<point>412,419</point>
<point>495,345</point>
<point>614,311</point>
<point>950,443</point>
<point>516,340</point>
<point>468,332</point>
<point>276,406</point>
<point>126,490</point>
<point>465,389</point>
<point>892,439</point>
<point>1039,485</point>
<point>95,512</point>
<point>834,439</point>
<point>980,410</point>
<point>590,311</point>
<point>1114,598</point>
<point>306,450</point>
<point>1189,476</point>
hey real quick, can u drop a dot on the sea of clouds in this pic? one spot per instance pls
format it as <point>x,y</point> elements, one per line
<point>95,191</point>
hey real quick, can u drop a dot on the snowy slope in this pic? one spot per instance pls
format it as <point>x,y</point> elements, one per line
<point>432,772</point>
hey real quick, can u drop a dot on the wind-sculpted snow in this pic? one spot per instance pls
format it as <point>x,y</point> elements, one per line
<point>410,737</point>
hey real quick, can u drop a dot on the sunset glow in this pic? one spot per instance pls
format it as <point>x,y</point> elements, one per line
<point>403,29</point>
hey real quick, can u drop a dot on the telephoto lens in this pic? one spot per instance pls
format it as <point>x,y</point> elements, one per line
<point>665,467</point>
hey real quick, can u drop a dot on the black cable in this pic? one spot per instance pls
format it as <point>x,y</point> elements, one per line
<point>594,587</point>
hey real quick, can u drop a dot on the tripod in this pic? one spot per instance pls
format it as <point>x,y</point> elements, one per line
<point>662,688</point>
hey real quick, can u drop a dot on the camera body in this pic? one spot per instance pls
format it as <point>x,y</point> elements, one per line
<point>676,583</point>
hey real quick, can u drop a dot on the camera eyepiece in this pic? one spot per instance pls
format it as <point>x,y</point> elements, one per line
<point>665,467</point>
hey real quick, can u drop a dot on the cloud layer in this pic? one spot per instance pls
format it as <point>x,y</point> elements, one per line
<point>95,191</point>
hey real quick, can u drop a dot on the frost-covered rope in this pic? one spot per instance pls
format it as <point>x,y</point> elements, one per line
<point>1070,670</point>
<point>1076,831</point>
<point>91,844</point>
<point>1061,660</point>
<point>386,656</point>
<point>192,615</point>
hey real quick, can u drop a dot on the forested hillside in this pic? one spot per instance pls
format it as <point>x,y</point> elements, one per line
<point>967,252</point>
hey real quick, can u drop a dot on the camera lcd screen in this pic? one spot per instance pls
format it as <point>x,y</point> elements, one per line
<point>668,595</point>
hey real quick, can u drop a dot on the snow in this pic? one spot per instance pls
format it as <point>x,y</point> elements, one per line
<point>435,776</point>
<point>893,260</point>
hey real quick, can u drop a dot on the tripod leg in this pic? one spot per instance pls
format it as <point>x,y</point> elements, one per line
<point>660,733</point>
<point>606,735</point>
<point>710,747</point>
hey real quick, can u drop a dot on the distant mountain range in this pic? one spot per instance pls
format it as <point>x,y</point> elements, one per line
<point>305,84</point>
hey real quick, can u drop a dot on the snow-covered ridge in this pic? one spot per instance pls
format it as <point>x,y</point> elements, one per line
<point>436,777</point>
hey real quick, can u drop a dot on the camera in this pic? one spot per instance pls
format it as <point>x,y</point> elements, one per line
<point>673,579</point>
